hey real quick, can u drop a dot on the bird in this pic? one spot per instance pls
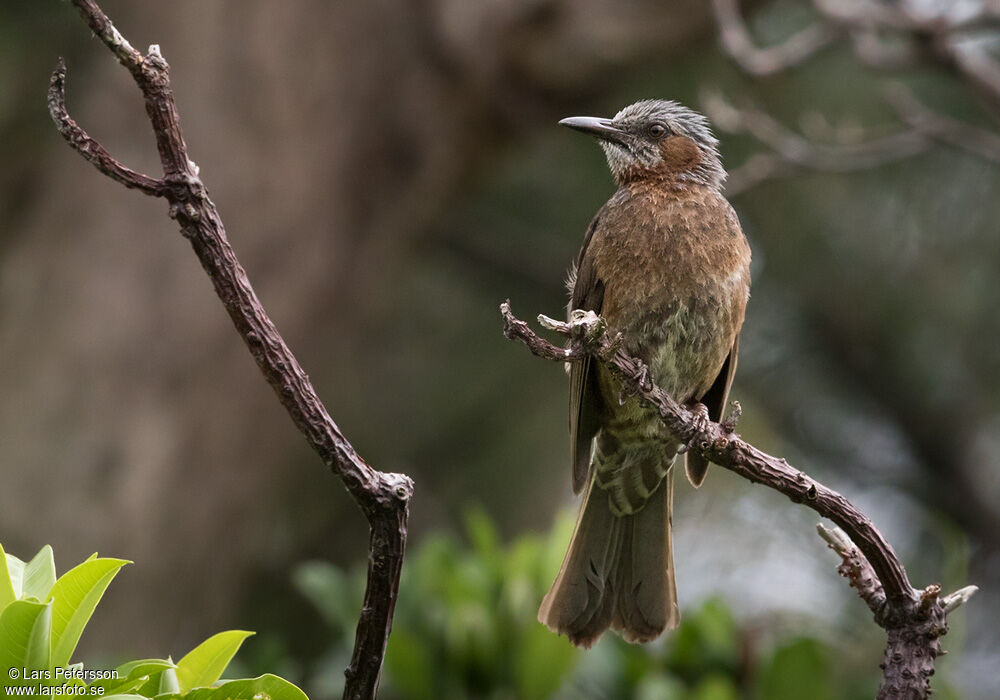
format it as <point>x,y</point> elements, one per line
<point>665,262</point>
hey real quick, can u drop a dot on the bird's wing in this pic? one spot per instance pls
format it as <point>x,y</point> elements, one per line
<point>715,400</point>
<point>584,395</point>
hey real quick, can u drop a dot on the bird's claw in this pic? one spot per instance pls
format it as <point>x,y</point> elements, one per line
<point>639,383</point>
<point>642,379</point>
<point>699,424</point>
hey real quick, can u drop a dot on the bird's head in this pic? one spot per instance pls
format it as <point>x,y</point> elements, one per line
<point>656,138</point>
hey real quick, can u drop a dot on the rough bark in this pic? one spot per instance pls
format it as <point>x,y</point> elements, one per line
<point>914,620</point>
<point>383,497</point>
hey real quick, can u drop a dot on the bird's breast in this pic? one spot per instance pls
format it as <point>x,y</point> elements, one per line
<point>675,269</point>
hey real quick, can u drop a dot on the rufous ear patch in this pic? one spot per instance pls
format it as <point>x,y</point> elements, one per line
<point>679,152</point>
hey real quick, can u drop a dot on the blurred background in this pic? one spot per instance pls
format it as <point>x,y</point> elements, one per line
<point>389,172</point>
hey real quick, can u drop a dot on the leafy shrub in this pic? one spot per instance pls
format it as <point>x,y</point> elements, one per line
<point>465,627</point>
<point>42,618</point>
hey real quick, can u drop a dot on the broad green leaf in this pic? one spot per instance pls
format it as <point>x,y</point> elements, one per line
<point>39,575</point>
<point>204,665</point>
<point>329,589</point>
<point>659,687</point>
<point>722,688</point>
<point>266,687</point>
<point>169,682</point>
<point>74,597</point>
<point>719,635</point>
<point>7,593</point>
<point>799,669</point>
<point>15,572</point>
<point>132,676</point>
<point>482,533</point>
<point>541,663</point>
<point>409,661</point>
<point>24,636</point>
<point>143,667</point>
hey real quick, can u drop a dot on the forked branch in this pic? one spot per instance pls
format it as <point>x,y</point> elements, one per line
<point>383,497</point>
<point>914,619</point>
<point>885,36</point>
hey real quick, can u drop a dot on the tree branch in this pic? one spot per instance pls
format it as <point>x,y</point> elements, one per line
<point>791,152</point>
<point>383,497</point>
<point>948,36</point>
<point>90,149</point>
<point>914,620</point>
<point>973,140</point>
<point>738,43</point>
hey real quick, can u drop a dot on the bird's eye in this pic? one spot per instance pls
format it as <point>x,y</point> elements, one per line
<point>657,130</point>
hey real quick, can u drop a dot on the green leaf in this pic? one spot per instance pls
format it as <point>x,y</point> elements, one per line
<point>330,591</point>
<point>541,663</point>
<point>39,575</point>
<point>482,533</point>
<point>799,669</point>
<point>169,682</point>
<point>7,593</point>
<point>266,687</point>
<point>24,636</point>
<point>721,688</point>
<point>74,597</point>
<point>132,676</point>
<point>408,661</point>
<point>659,687</point>
<point>15,572</point>
<point>204,665</point>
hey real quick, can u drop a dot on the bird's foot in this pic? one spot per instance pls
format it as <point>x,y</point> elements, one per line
<point>699,424</point>
<point>584,326</point>
<point>641,382</point>
<point>642,378</point>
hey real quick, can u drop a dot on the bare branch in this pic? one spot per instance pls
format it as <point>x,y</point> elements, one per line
<point>793,152</point>
<point>877,52</point>
<point>973,140</point>
<point>865,14</point>
<point>883,35</point>
<point>87,147</point>
<point>945,32</point>
<point>105,31</point>
<point>719,447</point>
<point>760,62</point>
<point>913,620</point>
<point>383,497</point>
<point>855,568</point>
<point>800,151</point>
<point>977,64</point>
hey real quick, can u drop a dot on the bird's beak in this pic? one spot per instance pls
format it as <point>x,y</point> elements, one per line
<point>596,126</point>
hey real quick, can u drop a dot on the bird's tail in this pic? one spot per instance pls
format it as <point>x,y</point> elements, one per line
<point>618,572</point>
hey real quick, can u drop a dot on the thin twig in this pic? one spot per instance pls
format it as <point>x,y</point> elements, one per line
<point>383,497</point>
<point>913,620</point>
<point>855,568</point>
<point>760,62</point>
<point>943,34</point>
<point>792,152</point>
<point>88,147</point>
<point>970,139</point>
